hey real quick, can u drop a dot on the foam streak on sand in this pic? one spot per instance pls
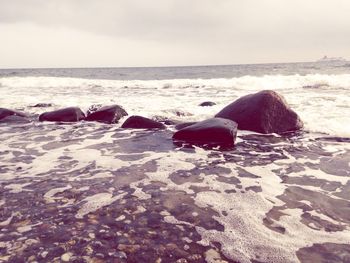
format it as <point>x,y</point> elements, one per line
<point>92,203</point>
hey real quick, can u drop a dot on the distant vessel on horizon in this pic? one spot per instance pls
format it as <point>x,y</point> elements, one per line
<point>332,59</point>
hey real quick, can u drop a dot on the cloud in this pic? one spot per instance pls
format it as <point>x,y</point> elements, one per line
<point>224,31</point>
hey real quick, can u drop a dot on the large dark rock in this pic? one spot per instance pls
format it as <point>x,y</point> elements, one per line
<point>6,113</point>
<point>71,114</point>
<point>107,114</point>
<point>15,119</point>
<point>216,131</point>
<point>263,112</point>
<point>138,122</point>
<point>207,104</point>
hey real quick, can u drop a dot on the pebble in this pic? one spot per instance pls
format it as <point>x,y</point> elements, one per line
<point>66,257</point>
<point>44,254</point>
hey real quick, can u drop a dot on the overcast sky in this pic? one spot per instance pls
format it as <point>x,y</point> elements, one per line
<point>97,33</point>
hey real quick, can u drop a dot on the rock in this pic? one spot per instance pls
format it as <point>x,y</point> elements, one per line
<point>178,113</point>
<point>184,125</point>
<point>107,114</point>
<point>42,105</point>
<point>6,112</point>
<point>165,120</point>
<point>138,122</point>
<point>66,257</point>
<point>71,114</point>
<point>263,112</point>
<point>14,119</point>
<point>207,104</point>
<point>216,131</point>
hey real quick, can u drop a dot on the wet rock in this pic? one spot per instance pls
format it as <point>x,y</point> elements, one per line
<point>107,114</point>
<point>6,113</point>
<point>207,104</point>
<point>42,105</point>
<point>66,257</point>
<point>14,119</point>
<point>212,131</point>
<point>129,248</point>
<point>180,113</point>
<point>165,120</point>
<point>263,112</point>
<point>325,253</point>
<point>138,122</point>
<point>71,114</point>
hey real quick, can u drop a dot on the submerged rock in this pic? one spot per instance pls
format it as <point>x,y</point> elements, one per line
<point>263,112</point>
<point>207,104</point>
<point>71,114</point>
<point>6,112</point>
<point>138,122</point>
<point>165,120</point>
<point>107,114</point>
<point>212,131</point>
<point>42,105</point>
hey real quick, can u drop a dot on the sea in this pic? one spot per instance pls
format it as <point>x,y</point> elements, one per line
<point>94,192</point>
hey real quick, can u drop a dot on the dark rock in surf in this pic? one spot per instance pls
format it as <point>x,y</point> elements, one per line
<point>263,112</point>
<point>184,125</point>
<point>42,105</point>
<point>6,112</point>
<point>215,131</point>
<point>15,119</point>
<point>207,104</point>
<point>71,114</point>
<point>138,122</point>
<point>165,120</point>
<point>179,113</point>
<point>107,114</point>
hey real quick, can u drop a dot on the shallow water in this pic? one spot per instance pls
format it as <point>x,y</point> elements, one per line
<point>97,193</point>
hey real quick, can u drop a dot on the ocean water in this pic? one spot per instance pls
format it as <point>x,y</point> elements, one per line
<point>93,191</point>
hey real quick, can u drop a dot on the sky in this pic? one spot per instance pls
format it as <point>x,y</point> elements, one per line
<point>124,33</point>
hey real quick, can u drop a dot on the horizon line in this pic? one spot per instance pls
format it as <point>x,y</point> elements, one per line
<point>174,66</point>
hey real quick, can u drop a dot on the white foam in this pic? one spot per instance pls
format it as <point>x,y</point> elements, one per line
<point>324,108</point>
<point>49,196</point>
<point>95,202</point>
<point>16,188</point>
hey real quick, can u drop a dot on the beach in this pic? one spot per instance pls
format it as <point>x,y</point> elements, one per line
<point>95,192</point>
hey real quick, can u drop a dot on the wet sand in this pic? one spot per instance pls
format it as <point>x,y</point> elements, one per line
<point>90,192</point>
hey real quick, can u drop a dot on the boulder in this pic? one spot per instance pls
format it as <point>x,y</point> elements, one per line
<point>263,112</point>
<point>71,114</point>
<point>217,131</point>
<point>207,104</point>
<point>6,112</point>
<point>138,122</point>
<point>107,114</point>
<point>14,119</point>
